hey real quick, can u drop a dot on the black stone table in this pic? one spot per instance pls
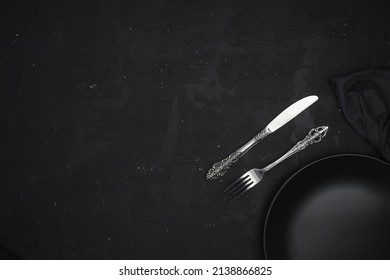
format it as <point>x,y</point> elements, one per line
<point>112,112</point>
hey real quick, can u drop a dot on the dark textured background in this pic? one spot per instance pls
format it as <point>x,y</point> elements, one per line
<point>112,112</point>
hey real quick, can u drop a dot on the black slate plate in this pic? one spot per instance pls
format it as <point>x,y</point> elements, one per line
<point>335,208</point>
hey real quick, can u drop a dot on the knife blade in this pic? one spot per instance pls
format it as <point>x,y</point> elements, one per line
<point>219,168</point>
<point>291,112</point>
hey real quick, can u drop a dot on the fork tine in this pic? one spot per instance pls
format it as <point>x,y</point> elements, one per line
<point>239,186</point>
<point>238,191</point>
<point>241,192</point>
<point>237,182</point>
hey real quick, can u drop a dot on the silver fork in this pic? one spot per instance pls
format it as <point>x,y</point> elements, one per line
<point>254,176</point>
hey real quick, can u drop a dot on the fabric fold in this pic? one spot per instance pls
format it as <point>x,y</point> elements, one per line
<point>364,98</point>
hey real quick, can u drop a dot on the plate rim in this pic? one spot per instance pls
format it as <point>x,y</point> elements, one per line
<point>296,173</point>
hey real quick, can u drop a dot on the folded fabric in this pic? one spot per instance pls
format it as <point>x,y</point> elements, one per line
<point>365,101</point>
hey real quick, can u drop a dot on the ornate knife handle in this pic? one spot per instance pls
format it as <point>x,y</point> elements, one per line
<point>315,135</point>
<point>219,168</point>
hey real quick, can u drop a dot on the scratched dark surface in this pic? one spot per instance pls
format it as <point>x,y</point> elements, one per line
<point>112,112</point>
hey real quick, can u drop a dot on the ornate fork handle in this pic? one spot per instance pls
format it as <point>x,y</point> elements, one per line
<point>315,135</point>
<point>219,168</point>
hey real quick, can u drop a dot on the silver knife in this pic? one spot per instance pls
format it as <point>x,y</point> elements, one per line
<point>219,168</point>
